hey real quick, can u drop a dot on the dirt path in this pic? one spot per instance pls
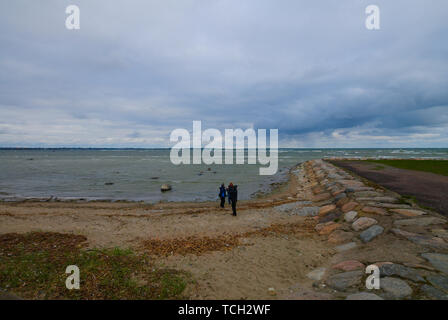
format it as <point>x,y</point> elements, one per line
<point>430,190</point>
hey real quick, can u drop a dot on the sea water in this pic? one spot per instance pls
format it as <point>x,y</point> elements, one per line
<point>137,174</point>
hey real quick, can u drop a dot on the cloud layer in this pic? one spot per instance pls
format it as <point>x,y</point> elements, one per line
<point>136,70</point>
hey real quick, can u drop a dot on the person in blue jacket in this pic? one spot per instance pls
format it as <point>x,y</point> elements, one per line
<point>222,194</point>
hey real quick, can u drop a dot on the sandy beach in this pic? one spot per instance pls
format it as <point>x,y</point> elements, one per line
<point>309,240</point>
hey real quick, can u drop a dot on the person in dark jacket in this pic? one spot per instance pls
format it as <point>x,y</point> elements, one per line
<point>222,195</point>
<point>233,196</point>
<point>228,195</point>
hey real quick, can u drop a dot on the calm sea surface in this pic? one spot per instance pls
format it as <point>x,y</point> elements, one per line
<point>137,174</point>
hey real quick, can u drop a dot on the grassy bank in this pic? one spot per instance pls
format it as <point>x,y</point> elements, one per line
<point>33,266</point>
<point>434,166</point>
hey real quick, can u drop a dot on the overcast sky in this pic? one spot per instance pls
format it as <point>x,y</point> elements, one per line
<point>136,70</point>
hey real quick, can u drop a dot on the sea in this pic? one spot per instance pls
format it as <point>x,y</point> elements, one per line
<point>137,174</point>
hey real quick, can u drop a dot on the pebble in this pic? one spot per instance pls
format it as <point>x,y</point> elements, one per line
<point>349,265</point>
<point>439,281</point>
<point>350,216</point>
<point>349,206</point>
<point>346,246</point>
<point>419,221</point>
<point>409,212</point>
<point>340,196</point>
<point>366,194</point>
<point>308,211</point>
<point>394,269</point>
<point>326,209</point>
<point>363,223</point>
<point>330,217</point>
<point>395,288</point>
<point>371,233</point>
<point>375,210</point>
<point>433,292</point>
<point>345,280</point>
<point>322,197</point>
<point>340,236</point>
<point>423,240</point>
<point>441,233</point>
<point>329,228</point>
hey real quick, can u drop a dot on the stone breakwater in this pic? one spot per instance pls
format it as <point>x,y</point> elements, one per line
<point>366,224</point>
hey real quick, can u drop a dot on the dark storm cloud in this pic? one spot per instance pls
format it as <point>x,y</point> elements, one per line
<point>138,69</point>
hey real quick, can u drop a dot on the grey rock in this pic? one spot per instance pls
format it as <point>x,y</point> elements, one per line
<point>345,280</point>
<point>366,194</point>
<point>388,205</point>
<point>308,211</point>
<point>165,187</point>
<point>363,296</point>
<point>438,260</point>
<point>371,233</point>
<point>363,223</point>
<point>393,269</point>
<point>340,196</point>
<point>292,206</point>
<point>386,199</point>
<point>419,221</point>
<point>433,292</point>
<point>330,217</point>
<point>422,240</point>
<point>350,216</point>
<point>395,288</point>
<point>439,281</point>
<point>346,246</point>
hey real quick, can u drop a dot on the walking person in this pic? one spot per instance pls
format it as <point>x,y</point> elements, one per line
<point>222,195</point>
<point>228,195</point>
<point>233,195</point>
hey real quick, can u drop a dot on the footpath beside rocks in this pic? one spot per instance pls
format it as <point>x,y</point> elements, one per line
<point>366,224</point>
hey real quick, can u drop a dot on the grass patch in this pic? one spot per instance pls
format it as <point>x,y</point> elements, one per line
<point>33,266</point>
<point>434,166</point>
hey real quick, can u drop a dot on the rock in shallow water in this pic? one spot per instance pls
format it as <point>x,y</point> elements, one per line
<point>165,187</point>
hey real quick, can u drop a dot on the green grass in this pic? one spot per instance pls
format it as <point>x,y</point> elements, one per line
<point>434,166</point>
<point>36,270</point>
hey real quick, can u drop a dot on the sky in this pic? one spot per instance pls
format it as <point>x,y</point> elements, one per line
<point>137,70</point>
